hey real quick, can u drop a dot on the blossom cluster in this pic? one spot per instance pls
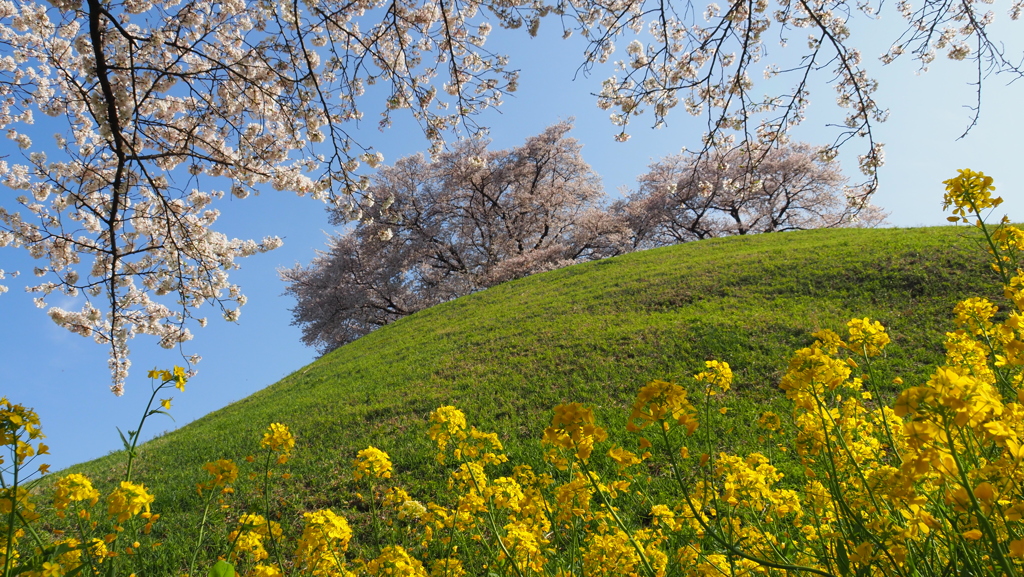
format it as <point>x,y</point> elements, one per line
<point>166,110</point>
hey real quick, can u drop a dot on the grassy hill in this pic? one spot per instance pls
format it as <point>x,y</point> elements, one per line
<point>592,333</point>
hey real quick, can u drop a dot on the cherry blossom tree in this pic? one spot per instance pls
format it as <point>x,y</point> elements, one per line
<point>166,106</point>
<point>465,220</point>
<point>693,196</point>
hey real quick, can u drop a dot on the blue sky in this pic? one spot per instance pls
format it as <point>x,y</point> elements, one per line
<point>65,377</point>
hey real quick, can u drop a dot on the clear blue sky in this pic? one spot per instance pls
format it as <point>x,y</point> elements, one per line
<point>65,377</point>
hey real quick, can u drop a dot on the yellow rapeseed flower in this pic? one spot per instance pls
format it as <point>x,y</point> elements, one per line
<point>72,488</point>
<point>223,471</point>
<point>972,535</point>
<point>180,378</point>
<point>662,401</point>
<point>128,500</point>
<point>769,421</point>
<point>572,427</point>
<point>623,458</point>
<point>278,439</point>
<point>969,193</point>
<point>448,423</point>
<point>373,463</point>
<point>324,539</point>
<point>867,337</point>
<point>394,560</point>
<point>447,567</point>
<point>716,373</point>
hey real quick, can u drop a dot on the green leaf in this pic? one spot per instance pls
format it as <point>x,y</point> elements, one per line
<point>127,445</point>
<point>841,558</point>
<point>222,569</point>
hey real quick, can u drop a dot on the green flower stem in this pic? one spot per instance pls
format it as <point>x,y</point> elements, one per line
<point>266,511</point>
<point>490,521</point>
<point>874,391</point>
<point>202,531</point>
<point>718,538</point>
<point>837,495</point>
<point>138,431</point>
<point>1004,275</point>
<point>373,512</point>
<point>618,521</point>
<point>997,549</point>
<point>12,491</point>
<point>85,541</point>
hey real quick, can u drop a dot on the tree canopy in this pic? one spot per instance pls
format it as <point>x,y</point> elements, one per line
<point>692,196</point>
<point>166,106</point>
<point>465,220</point>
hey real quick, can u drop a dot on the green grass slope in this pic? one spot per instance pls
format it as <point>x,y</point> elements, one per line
<point>592,333</point>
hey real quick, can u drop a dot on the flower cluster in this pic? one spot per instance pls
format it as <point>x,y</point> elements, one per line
<point>572,428</point>
<point>447,423</point>
<point>73,488</point>
<point>20,429</point>
<point>372,463</point>
<point>661,401</point>
<point>223,472</point>
<point>251,537</point>
<point>176,376</point>
<point>128,500</point>
<point>867,337</point>
<point>969,194</point>
<point>323,542</point>
<point>717,374</point>
<point>279,439</point>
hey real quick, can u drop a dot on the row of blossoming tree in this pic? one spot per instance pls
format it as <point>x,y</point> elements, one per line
<point>470,218</point>
<point>928,486</point>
